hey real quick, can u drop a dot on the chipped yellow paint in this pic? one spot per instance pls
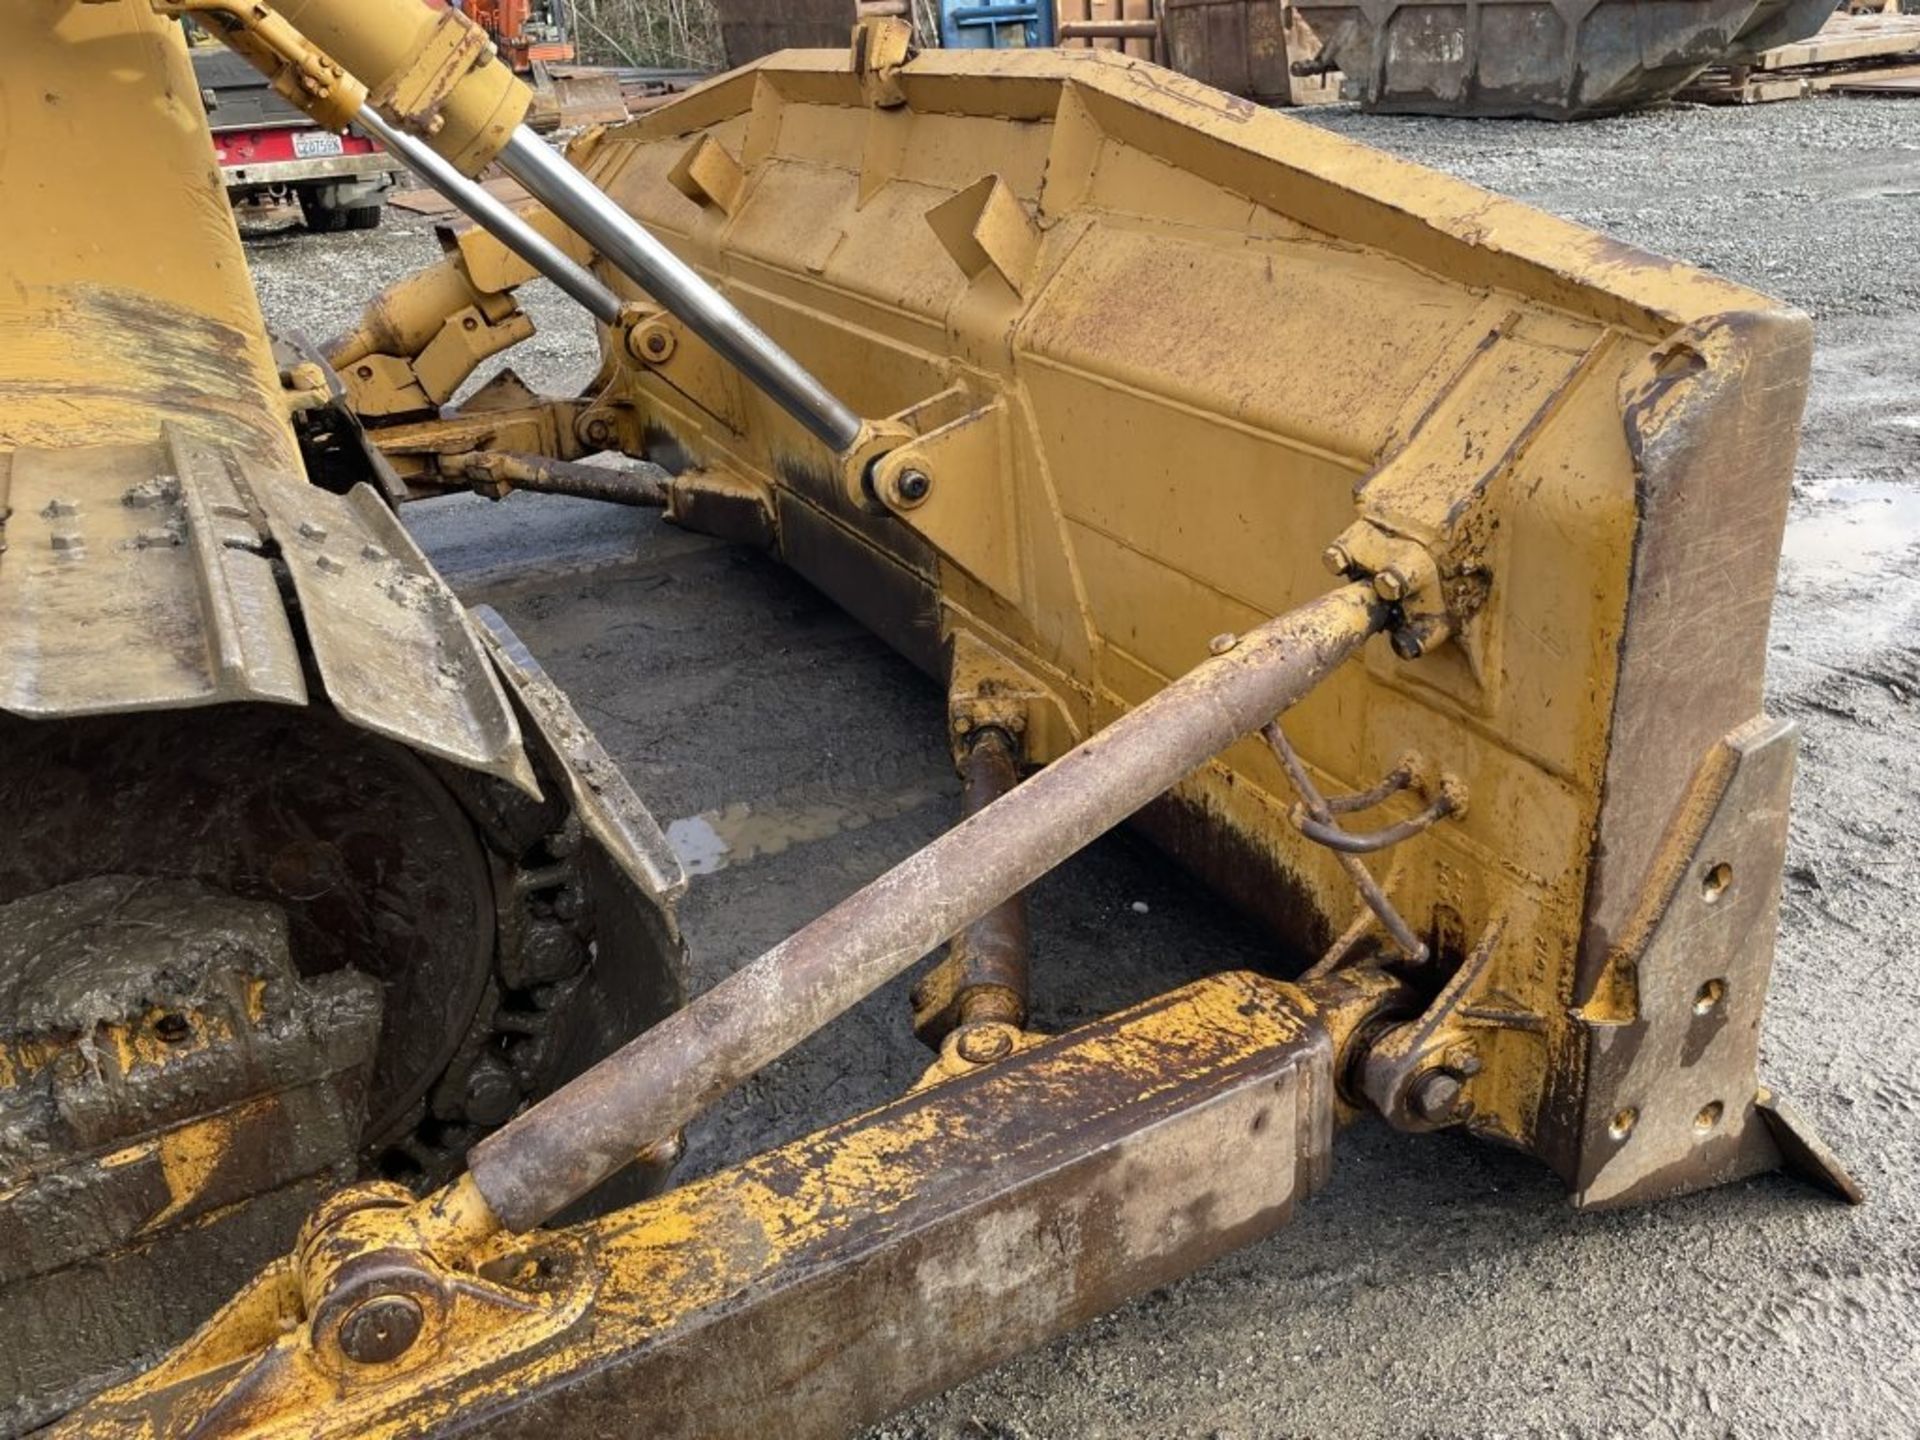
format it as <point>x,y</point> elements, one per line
<point>21,1060</point>
<point>640,1272</point>
<point>189,1156</point>
<point>130,1155</point>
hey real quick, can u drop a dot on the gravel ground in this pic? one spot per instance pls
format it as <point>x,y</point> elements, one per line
<point>1436,1288</point>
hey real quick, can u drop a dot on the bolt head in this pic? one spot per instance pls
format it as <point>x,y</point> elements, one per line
<point>1436,1096</point>
<point>492,1094</point>
<point>381,1329</point>
<point>664,1153</point>
<point>1336,559</point>
<point>980,1044</point>
<point>913,485</point>
<point>1390,584</point>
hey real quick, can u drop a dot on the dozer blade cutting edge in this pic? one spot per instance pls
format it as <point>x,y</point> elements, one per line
<point>1073,380</point>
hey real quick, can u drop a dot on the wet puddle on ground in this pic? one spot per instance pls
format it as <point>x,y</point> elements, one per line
<point>1860,520</point>
<point>737,833</point>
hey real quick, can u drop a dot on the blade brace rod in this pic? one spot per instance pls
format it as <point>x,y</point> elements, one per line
<point>640,256</point>
<point>584,1132</point>
<point>632,250</point>
<point>495,217</point>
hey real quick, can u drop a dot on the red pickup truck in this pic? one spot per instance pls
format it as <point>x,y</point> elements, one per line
<point>268,149</point>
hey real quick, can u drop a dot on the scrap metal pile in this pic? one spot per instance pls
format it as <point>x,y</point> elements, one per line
<point>1347,529</point>
<point>1553,59</point>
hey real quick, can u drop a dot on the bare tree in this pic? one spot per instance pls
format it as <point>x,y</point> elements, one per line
<point>673,34</point>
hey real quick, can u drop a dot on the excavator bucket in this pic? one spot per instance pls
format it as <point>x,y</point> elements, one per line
<point>1397,558</point>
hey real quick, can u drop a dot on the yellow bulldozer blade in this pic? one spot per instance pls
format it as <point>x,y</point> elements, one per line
<point>1150,361</point>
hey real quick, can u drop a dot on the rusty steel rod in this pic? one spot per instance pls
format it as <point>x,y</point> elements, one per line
<point>1321,809</point>
<point>642,257</point>
<point>590,1128</point>
<point>992,952</point>
<point>497,473</point>
<point>985,972</point>
<point>1109,30</point>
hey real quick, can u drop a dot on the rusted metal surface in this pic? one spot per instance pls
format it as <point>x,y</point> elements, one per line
<point>1553,59</point>
<point>821,1285</point>
<point>1245,47</point>
<point>750,29</point>
<point>1700,440</point>
<point>1672,1094</point>
<point>497,475</point>
<point>984,974</point>
<point>178,606</point>
<point>572,1140</point>
<point>1412,948</point>
<point>1342,841</point>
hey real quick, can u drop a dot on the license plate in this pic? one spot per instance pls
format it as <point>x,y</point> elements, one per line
<point>311,144</point>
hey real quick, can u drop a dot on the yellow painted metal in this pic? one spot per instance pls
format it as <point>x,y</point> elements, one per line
<point>1144,358</point>
<point>420,339</point>
<point>111,323</point>
<point>1222,1094</point>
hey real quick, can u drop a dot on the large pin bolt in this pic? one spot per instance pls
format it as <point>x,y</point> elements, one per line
<point>380,1329</point>
<point>1436,1096</point>
<point>983,1044</point>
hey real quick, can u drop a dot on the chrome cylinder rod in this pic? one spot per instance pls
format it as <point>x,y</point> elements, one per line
<point>625,244</point>
<point>496,218</point>
<point>656,1083</point>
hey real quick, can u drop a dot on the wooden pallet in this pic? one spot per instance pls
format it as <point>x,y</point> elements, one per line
<point>1734,87</point>
<point>1847,38</point>
<point>1876,54</point>
<point>1884,85</point>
